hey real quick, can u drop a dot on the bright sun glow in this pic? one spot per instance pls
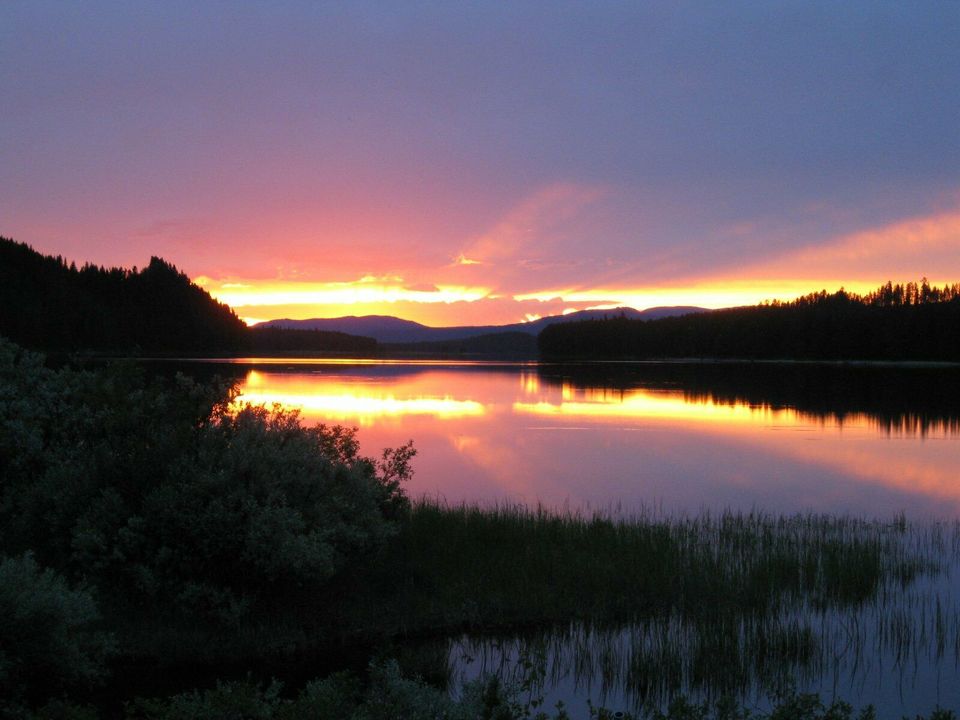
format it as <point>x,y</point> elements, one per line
<point>363,292</point>
<point>728,294</point>
<point>452,304</point>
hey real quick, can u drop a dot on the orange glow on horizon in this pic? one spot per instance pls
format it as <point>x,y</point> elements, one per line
<point>714,295</point>
<point>483,284</point>
<point>450,305</point>
<point>364,292</point>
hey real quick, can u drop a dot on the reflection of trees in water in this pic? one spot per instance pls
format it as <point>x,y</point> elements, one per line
<point>897,400</point>
<point>907,400</point>
<point>905,629</point>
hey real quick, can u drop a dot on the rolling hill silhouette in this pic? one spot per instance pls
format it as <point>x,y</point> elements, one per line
<point>389,329</point>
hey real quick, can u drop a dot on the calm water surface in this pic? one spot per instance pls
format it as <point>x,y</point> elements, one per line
<point>863,440</point>
<point>868,441</point>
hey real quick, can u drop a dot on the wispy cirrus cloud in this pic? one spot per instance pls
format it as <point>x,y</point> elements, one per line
<point>532,231</point>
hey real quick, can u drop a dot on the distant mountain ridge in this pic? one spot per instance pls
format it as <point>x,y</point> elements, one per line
<point>389,329</point>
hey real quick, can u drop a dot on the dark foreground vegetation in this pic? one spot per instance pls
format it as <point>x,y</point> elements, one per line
<point>896,322</point>
<point>149,529</point>
<point>51,305</point>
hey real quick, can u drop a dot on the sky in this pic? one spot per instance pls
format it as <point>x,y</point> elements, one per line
<point>485,162</point>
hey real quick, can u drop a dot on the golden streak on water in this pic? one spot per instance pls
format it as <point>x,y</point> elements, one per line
<point>351,405</point>
<point>617,405</point>
<point>484,433</point>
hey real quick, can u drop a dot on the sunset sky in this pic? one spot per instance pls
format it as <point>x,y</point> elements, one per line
<point>472,163</point>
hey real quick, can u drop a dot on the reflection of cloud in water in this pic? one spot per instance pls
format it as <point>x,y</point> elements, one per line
<point>362,399</point>
<point>850,446</point>
<point>507,464</point>
<point>928,473</point>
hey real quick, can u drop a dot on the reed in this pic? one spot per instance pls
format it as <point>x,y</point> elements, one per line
<point>648,606</point>
<point>509,566</point>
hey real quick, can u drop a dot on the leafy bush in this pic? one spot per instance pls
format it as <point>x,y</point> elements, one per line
<point>387,696</point>
<point>49,641</point>
<point>390,696</point>
<point>261,507</point>
<point>167,498</point>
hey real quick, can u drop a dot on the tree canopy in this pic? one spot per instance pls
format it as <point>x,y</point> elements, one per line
<point>912,321</point>
<point>49,304</point>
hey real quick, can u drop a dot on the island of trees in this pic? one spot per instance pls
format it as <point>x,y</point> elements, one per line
<point>912,321</point>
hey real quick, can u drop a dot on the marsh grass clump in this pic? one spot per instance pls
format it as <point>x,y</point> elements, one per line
<point>390,695</point>
<point>733,603</point>
<point>512,566</point>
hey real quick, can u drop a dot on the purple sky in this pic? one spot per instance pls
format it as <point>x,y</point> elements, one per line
<point>481,162</point>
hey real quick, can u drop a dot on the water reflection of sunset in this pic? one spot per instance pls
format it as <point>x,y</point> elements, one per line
<point>616,405</point>
<point>349,405</point>
<point>494,433</point>
<point>321,397</point>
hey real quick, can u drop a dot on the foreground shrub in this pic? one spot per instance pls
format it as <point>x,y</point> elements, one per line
<point>49,641</point>
<point>390,696</point>
<point>177,505</point>
<point>387,696</point>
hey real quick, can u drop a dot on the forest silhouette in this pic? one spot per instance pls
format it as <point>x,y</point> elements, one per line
<point>911,321</point>
<point>52,305</point>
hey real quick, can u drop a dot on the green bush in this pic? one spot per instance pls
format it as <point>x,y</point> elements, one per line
<point>172,501</point>
<point>387,696</point>
<point>49,639</point>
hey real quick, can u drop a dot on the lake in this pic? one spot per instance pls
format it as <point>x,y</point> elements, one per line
<point>870,441</point>
<point>864,440</point>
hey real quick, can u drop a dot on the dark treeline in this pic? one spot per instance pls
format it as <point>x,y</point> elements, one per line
<point>273,340</point>
<point>514,345</point>
<point>895,322</point>
<point>49,304</point>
